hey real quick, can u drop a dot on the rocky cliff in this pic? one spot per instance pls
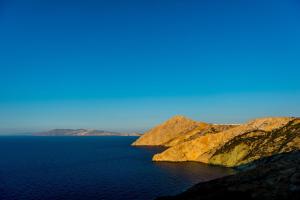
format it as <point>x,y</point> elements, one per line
<point>238,145</point>
<point>162,134</point>
<point>197,132</point>
<point>266,150</point>
<point>272,178</point>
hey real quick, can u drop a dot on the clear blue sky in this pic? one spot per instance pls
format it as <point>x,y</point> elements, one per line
<point>127,65</point>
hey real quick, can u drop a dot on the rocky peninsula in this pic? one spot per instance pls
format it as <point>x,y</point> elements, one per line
<point>266,150</point>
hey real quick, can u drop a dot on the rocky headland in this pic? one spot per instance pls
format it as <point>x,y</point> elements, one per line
<point>239,145</point>
<point>176,130</point>
<point>266,150</point>
<point>165,132</point>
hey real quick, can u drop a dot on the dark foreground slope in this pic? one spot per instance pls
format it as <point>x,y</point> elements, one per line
<point>275,177</point>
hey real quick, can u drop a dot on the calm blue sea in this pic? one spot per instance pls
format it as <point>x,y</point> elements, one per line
<point>50,168</point>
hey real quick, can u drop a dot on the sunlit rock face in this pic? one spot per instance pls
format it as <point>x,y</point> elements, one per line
<point>238,145</point>
<point>177,130</point>
<point>167,131</point>
<point>197,132</point>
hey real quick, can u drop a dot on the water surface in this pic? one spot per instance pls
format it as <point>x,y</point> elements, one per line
<point>80,168</point>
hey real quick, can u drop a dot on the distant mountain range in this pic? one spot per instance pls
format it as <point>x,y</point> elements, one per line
<point>83,132</point>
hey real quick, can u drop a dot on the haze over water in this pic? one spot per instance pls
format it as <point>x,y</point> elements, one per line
<point>52,168</point>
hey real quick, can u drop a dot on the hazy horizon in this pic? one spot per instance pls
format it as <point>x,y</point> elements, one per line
<point>248,106</point>
<point>128,66</point>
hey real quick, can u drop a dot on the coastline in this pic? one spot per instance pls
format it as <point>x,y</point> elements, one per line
<point>274,177</point>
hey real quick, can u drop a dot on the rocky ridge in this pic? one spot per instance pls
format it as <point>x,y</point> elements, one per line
<point>167,131</point>
<point>239,145</point>
<point>266,151</point>
<point>197,132</point>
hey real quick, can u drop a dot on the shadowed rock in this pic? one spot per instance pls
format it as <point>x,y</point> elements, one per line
<point>272,178</point>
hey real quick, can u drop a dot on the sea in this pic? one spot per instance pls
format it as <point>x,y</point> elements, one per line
<point>83,168</point>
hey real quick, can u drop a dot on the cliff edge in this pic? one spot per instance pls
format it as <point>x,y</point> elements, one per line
<point>239,145</point>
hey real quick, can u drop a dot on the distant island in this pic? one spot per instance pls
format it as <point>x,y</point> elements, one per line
<point>82,132</point>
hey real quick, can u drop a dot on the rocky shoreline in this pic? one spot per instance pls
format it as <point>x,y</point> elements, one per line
<point>272,178</point>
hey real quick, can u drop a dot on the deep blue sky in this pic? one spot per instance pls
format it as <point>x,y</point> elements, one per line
<point>127,65</point>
